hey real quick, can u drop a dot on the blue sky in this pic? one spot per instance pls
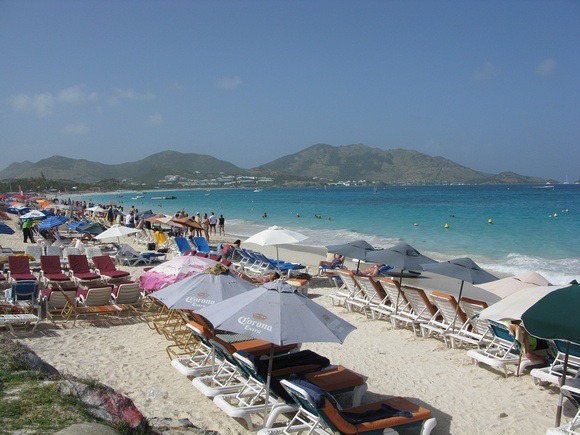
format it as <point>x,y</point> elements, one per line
<point>492,85</point>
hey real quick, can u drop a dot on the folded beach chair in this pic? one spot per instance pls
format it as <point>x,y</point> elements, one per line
<point>51,271</point>
<point>320,413</point>
<point>19,268</point>
<point>448,318</point>
<point>553,373</point>
<point>80,272</point>
<point>421,309</point>
<point>474,332</point>
<point>503,352</point>
<point>105,267</point>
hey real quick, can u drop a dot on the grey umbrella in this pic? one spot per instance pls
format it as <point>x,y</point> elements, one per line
<point>277,313</point>
<point>358,249</point>
<point>401,256</point>
<point>464,269</point>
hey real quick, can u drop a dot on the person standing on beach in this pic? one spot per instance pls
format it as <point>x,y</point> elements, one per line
<point>212,223</point>
<point>221,225</point>
<point>205,226</point>
<point>27,230</point>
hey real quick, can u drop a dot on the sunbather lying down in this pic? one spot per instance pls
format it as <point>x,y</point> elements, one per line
<point>375,270</point>
<point>260,279</point>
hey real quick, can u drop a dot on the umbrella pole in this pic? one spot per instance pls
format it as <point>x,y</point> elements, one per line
<point>270,363</point>
<point>457,309</point>
<point>399,292</point>
<point>562,382</point>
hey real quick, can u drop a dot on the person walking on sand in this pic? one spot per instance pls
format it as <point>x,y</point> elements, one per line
<point>27,230</point>
<point>212,223</point>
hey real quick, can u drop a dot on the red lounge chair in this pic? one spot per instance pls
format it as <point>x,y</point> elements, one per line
<point>19,268</point>
<point>105,267</point>
<point>50,270</point>
<point>80,270</point>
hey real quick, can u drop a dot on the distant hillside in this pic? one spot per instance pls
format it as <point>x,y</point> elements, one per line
<point>360,162</point>
<point>318,163</point>
<point>148,170</point>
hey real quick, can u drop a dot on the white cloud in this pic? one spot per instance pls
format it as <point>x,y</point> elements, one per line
<point>546,68</point>
<point>228,83</point>
<point>74,95</point>
<point>41,104</point>
<point>487,72</point>
<point>75,129</point>
<point>155,119</point>
<point>129,94</point>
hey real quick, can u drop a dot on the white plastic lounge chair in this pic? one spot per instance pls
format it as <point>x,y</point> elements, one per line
<point>475,332</point>
<point>420,310</point>
<point>36,252</point>
<point>388,305</point>
<point>371,294</point>
<point>572,392</point>
<point>503,352</point>
<point>553,373</point>
<point>348,289</point>
<point>449,317</point>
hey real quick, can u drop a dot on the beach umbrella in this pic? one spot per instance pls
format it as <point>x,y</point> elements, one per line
<point>401,256</point>
<point>548,312</point>
<point>277,313</point>
<point>464,269</point>
<point>5,229</point>
<point>188,222</point>
<point>96,209</point>
<point>201,290</point>
<point>33,214</point>
<point>275,236</point>
<point>116,231</point>
<point>93,228</point>
<point>506,286</point>
<point>357,249</point>
<point>174,270</point>
<point>52,221</point>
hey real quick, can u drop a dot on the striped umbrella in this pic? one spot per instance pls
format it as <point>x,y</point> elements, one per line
<point>51,222</point>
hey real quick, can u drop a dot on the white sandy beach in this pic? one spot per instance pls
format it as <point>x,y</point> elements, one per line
<point>465,398</point>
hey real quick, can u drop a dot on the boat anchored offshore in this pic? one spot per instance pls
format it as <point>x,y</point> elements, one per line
<point>164,197</point>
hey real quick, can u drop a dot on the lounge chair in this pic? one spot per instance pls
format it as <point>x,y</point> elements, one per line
<point>348,289</point>
<point>572,392</point>
<point>95,303</point>
<point>128,294</point>
<point>370,295</point>
<point>251,399</point>
<point>553,373</point>
<point>448,318</point>
<point>504,351</point>
<point>51,270</point>
<point>201,245</point>
<point>23,290</point>
<point>80,272</point>
<point>475,331</point>
<point>19,268</point>
<point>105,267</point>
<point>319,413</point>
<point>54,302</point>
<point>93,251</point>
<point>183,246</point>
<point>421,308</point>
<point>34,251</point>
<point>126,254</point>
<point>394,302</point>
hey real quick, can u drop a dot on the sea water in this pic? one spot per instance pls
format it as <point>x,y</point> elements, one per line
<point>507,229</point>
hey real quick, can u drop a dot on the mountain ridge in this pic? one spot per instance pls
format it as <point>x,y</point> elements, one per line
<point>317,163</point>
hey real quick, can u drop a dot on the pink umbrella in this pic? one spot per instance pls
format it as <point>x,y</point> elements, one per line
<point>174,270</point>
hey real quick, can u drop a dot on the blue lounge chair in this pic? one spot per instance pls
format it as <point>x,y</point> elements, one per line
<point>183,245</point>
<point>202,246</point>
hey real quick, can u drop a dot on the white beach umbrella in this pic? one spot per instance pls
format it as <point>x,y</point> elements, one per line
<point>116,231</point>
<point>511,284</point>
<point>275,236</point>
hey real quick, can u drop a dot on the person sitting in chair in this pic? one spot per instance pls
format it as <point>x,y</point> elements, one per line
<point>260,279</point>
<point>371,271</point>
<point>336,262</point>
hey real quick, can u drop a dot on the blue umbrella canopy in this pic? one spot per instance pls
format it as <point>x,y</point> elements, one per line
<point>52,221</point>
<point>5,229</point>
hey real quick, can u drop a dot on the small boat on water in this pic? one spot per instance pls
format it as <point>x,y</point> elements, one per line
<point>164,197</point>
<point>258,190</point>
<point>137,197</point>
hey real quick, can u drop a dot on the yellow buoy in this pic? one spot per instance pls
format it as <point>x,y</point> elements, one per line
<point>490,221</point>
<point>446,226</point>
<point>555,214</point>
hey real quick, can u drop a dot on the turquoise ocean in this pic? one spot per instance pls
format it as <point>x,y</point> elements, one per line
<point>506,229</point>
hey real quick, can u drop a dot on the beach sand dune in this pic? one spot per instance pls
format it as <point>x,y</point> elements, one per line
<point>466,399</point>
